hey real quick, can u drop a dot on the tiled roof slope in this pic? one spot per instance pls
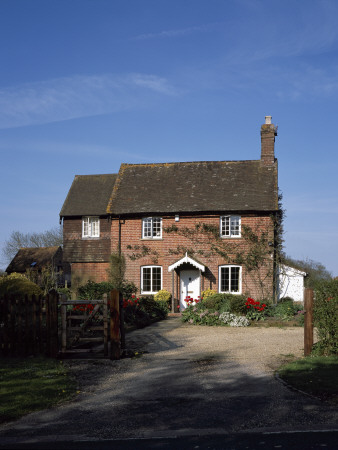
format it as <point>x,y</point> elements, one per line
<point>26,256</point>
<point>88,195</point>
<point>195,187</point>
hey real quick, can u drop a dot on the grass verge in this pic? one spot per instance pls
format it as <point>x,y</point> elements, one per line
<point>317,376</point>
<point>32,384</point>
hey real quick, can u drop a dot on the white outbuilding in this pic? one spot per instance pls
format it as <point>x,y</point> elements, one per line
<point>291,283</point>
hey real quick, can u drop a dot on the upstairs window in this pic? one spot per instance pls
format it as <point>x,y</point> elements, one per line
<point>152,228</point>
<point>230,226</point>
<point>230,279</point>
<point>90,227</point>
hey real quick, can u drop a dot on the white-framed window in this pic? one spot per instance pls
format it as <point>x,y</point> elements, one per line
<point>230,279</point>
<point>151,279</point>
<point>230,226</point>
<point>152,228</point>
<point>90,227</point>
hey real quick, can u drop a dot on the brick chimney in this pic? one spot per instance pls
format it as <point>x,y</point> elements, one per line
<point>268,133</point>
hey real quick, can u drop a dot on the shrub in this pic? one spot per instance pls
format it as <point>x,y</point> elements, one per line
<point>95,291</point>
<point>284,310</point>
<point>286,300</point>
<point>162,295</point>
<point>199,315</point>
<point>208,293</point>
<point>326,317</point>
<point>214,301</point>
<point>237,304</point>
<point>18,284</point>
<point>156,309</point>
<point>142,311</point>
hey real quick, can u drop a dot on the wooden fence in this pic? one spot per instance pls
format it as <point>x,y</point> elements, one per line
<point>29,325</point>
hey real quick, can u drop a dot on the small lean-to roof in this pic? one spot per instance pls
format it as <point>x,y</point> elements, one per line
<point>88,195</point>
<point>32,257</point>
<point>195,187</point>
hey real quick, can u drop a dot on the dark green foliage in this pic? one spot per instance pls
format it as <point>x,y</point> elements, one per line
<point>226,303</point>
<point>214,302</point>
<point>18,286</point>
<point>144,311</point>
<point>326,317</point>
<point>237,304</point>
<point>95,291</point>
<point>155,309</point>
<point>284,310</point>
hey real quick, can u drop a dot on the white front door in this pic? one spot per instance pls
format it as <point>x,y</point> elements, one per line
<point>190,286</point>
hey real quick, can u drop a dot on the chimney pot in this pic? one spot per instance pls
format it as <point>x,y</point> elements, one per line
<point>268,120</point>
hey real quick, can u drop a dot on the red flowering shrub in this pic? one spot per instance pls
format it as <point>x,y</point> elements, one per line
<point>255,310</point>
<point>83,308</point>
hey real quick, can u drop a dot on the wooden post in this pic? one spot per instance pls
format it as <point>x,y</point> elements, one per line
<point>308,321</point>
<point>115,346</point>
<point>105,326</point>
<point>53,324</point>
<point>63,328</point>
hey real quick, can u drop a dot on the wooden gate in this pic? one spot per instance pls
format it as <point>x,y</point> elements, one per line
<point>84,327</point>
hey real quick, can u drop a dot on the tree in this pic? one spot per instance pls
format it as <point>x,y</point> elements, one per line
<point>315,270</point>
<point>17,240</point>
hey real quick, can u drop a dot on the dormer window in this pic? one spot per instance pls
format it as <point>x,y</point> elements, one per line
<point>230,226</point>
<point>152,228</point>
<point>90,227</point>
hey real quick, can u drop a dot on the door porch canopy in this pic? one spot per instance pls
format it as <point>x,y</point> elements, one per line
<point>186,260</point>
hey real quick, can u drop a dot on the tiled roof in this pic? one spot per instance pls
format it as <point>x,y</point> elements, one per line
<point>195,187</point>
<point>35,257</point>
<point>88,195</point>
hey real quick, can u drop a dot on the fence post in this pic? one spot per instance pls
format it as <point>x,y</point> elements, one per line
<point>54,342</point>
<point>63,328</point>
<point>105,326</point>
<point>115,347</point>
<point>308,321</point>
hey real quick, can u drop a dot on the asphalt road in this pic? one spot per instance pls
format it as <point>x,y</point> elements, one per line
<point>187,387</point>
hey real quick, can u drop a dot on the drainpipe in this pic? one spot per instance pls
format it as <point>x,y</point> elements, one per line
<point>122,330</point>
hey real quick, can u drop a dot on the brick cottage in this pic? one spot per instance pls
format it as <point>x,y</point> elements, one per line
<point>163,218</point>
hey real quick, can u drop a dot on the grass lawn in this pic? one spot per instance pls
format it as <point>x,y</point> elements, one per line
<point>32,384</point>
<point>315,375</point>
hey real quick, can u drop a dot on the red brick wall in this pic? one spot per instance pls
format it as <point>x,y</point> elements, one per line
<point>131,236</point>
<point>82,272</point>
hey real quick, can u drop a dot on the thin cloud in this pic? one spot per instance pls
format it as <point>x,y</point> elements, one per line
<point>175,33</point>
<point>78,96</point>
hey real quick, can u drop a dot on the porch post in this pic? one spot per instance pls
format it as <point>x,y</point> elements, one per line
<point>173,291</point>
<point>200,282</point>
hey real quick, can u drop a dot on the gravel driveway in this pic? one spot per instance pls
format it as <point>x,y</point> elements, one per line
<point>185,380</point>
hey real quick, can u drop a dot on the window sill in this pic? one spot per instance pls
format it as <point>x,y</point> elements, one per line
<point>151,239</point>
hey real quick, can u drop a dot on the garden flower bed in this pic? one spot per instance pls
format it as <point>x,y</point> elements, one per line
<point>240,311</point>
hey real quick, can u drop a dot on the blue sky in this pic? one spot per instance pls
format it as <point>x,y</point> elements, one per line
<point>88,84</point>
